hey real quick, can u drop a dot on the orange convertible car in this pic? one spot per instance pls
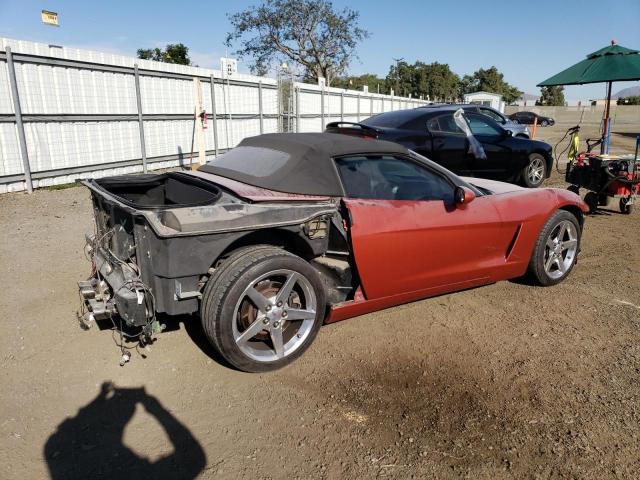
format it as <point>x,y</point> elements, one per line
<point>289,231</point>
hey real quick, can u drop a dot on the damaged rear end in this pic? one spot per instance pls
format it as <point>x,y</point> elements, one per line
<point>157,239</point>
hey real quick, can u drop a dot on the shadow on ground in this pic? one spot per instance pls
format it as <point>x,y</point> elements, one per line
<point>90,445</point>
<point>627,134</point>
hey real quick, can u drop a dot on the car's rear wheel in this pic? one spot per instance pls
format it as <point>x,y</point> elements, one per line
<point>556,249</point>
<point>535,171</point>
<point>261,309</point>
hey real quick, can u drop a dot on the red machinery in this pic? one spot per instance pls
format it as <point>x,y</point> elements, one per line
<point>605,176</point>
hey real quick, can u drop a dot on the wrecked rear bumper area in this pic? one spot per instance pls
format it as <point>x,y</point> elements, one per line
<point>115,288</point>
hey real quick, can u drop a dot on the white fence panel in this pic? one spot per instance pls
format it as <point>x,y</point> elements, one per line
<point>54,145</point>
<point>81,119</point>
<point>11,163</point>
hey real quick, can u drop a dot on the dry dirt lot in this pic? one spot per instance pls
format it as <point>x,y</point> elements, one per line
<point>505,381</point>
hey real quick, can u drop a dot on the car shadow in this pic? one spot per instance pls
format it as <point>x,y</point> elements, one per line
<point>90,445</point>
<point>626,134</point>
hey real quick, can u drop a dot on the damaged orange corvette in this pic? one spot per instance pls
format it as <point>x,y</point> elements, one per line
<point>289,231</point>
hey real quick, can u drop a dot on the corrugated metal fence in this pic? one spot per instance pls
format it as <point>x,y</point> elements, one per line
<point>67,113</point>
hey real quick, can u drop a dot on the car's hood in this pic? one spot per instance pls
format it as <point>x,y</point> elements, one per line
<point>493,185</point>
<point>562,196</point>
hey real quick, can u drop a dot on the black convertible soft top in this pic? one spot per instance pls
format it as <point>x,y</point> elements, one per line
<point>294,162</point>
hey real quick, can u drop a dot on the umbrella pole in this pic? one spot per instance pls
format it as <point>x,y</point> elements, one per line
<point>604,146</point>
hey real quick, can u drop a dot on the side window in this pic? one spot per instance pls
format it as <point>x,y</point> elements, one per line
<point>444,124</point>
<point>481,125</point>
<point>418,124</point>
<point>492,115</point>
<point>390,178</point>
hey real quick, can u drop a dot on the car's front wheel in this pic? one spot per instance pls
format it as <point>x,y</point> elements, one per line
<point>262,308</point>
<point>535,171</point>
<point>556,249</point>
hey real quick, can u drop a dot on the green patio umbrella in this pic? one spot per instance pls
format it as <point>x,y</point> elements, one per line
<point>609,64</point>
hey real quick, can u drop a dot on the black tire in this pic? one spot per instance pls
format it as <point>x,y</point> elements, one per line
<point>224,291</point>
<point>625,207</point>
<point>540,253</point>
<point>534,173</point>
<point>574,188</point>
<point>592,201</point>
<point>544,123</point>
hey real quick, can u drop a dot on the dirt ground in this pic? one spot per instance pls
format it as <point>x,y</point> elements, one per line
<point>504,381</point>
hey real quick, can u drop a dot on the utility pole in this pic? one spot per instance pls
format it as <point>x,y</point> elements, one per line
<point>398,60</point>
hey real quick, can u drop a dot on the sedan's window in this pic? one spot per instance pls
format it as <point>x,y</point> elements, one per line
<point>391,178</point>
<point>444,123</point>
<point>492,115</point>
<point>397,119</point>
<point>481,125</point>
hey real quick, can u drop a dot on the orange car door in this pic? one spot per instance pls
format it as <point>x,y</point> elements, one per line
<point>408,236</point>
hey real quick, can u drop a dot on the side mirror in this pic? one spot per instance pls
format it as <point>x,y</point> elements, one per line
<point>463,195</point>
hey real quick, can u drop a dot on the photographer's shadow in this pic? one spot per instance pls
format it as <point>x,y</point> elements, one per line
<point>90,445</point>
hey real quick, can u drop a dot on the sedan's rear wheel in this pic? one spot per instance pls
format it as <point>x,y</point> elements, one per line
<point>556,249</point>
<point>535,172</point>
<point>263,309</point>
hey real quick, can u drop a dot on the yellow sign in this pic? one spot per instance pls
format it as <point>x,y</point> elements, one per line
<point>50,18</point>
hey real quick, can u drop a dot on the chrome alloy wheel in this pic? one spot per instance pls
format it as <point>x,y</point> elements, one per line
<point>535,171</point>
<point>274,315</point>
<point>561,249</point>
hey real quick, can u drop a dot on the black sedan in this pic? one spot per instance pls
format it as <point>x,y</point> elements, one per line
<point>528,118</point>
<point>433,133</point>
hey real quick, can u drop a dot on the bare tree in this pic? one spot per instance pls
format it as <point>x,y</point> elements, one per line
<point>309,33</point>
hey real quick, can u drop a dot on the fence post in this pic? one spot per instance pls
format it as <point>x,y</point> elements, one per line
<point>214,116</point>
<point>19,125</point>
<point>358,108</point>
<point>297,109</point>
<point>371,106</point>
<point>322,108</point>
<point>260,107</point>
<point>342,106</point>
<point>143,149</point>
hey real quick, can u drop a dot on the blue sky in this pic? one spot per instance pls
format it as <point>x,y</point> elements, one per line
<point>527,41</point>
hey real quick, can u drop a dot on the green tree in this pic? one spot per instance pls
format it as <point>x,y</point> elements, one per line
<point>310,33</point>
<point>437,81</point>
<point>489,80</point>
<point>172,53</point>
<point>552,96</point>
<point>401,78</point>
<point>375,83</point>
<point>629,101</point>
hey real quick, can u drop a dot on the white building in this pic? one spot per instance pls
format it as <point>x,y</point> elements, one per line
<point>485,98</point>
<point>527,100</point>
